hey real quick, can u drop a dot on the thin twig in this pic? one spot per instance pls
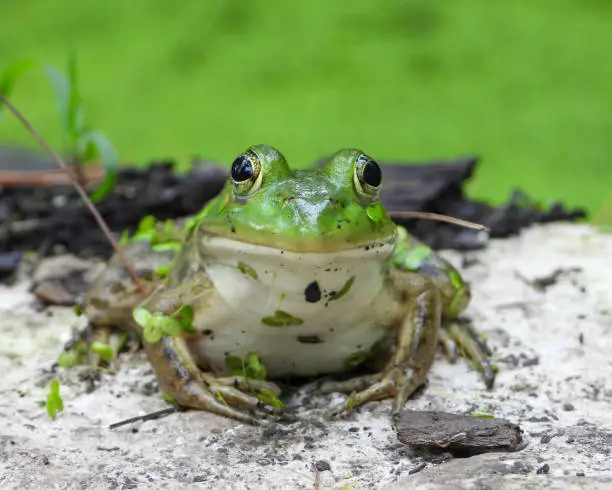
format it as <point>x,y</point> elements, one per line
<point>438,217</point>
<point>80,190</point>
<point>150,416</point>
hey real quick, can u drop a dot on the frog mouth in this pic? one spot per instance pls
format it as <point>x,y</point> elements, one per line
<point>211,242</point>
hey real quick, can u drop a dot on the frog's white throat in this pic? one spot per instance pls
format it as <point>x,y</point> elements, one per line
<point>336,298</point>
<point>272,278</point>
<point>266,262</point>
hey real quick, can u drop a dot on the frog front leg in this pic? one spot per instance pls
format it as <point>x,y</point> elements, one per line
<point>456,337</point>
<point>176,371</point>
<point>416,340</point>
<point>179,376</point>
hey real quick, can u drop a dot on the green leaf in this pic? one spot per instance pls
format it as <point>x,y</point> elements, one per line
<point>483,415</point>
<point>94,144</point>
<point>54,400</point>
<point>125,238</point>
<point>78,309</point>
<point>416,256</point>
<point>74,356</point>
<point>162,270</point>
<point>186,318</point>
<point>76,118</point>
<point>169,326</point>
<point>145,231</point>
<point>103,350</point>
<point>68,359</point>
<point>254,368</point>
<point>166,246</point>
<point>269,398</point>
<point>169,399</point>
<point>152,333</point>
<point>186,313</point>
<point>235,365</point>
<point>12,73</point>
<point>60,84</point>
<point>142,316</point>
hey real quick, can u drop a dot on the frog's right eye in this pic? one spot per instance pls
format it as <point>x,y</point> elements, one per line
<point>246,173</point>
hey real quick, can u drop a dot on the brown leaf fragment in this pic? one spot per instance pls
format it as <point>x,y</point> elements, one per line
<point>460,435</point>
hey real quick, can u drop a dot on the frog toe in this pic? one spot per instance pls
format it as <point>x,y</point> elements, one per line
<point>238,399</point>
<point>349,386</point>
<point>243,383</point>
<point>448,345</point>
<point>472,346</point>
<point>398,383</point>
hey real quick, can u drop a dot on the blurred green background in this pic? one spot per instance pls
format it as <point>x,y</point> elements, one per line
<point>525,84</point>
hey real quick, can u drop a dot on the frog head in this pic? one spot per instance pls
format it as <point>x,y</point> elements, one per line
<point>330,208</point>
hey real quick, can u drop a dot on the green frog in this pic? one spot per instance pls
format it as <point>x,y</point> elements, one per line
<point>305,270</point>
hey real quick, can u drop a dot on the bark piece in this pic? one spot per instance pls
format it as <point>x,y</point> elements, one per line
<point>460,435</point>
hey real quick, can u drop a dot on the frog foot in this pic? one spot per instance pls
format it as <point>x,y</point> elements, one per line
<point>460,338</point>
<point>180,378</point>
<point>407,369</point>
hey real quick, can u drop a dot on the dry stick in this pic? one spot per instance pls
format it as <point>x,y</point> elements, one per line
<point>438,217</point>
<point>80,190</point>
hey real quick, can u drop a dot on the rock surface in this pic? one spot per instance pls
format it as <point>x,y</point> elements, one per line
<point>544,300</point>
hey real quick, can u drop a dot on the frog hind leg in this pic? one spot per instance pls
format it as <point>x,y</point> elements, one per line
<point>180,378</point>
<point>456,337</point>
<point>416,345</point>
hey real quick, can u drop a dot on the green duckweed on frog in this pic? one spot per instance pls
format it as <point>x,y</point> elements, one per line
<point>306,271</point>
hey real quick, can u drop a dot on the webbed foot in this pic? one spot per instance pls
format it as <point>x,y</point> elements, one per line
<point>179,377</point>
<point>460,338</point>
<point>416,345</point>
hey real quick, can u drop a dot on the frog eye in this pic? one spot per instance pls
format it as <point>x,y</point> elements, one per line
<point>246,173</point>
<point>367,177</point>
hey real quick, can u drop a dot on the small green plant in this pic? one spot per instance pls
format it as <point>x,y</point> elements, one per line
<point>169,399</point>
<point>105,351</point>
<point>54,400</point>
<point>162,236</point>
<point>85,144</point>
<point>252,368</point>
<point>155,325</point>
<point>483,414</point>
<point>74,356</point>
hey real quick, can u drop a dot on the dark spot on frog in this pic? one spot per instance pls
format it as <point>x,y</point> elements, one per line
<point>207,332</point>
<point>117,288</point>
<point>146,274</point>
<point>310,339</point>
<point>233,229</point>
<point>98,303</point>
<point>339,226</point>
<point>313,292</point>
<point>174,358</point>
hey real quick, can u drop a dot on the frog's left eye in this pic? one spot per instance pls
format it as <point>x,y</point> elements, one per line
<point>246,173</point>
<point>367,177</point>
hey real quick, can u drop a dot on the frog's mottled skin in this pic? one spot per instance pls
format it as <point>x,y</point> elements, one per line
<point>306,269</point>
